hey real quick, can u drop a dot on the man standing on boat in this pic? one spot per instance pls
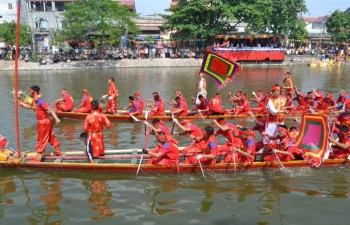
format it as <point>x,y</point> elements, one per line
<point>93,125</point>
<point>201,88</point>
<point>112,95</point>
<point>288,83</point>
<point>275,106</point>
<point>85,105</point>
<point>45,125</point>
<point>64,104</point>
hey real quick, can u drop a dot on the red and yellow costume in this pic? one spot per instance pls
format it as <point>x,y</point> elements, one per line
<point>215,106</point>
<point>94,124</point>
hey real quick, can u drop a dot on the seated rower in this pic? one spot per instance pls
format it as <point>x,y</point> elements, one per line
<point>158,108</point>
<point>139,100</point>
<point>187,127</point>
<point>245,153</point>
<point>64,104</point>
<point>165,154</point>
<point>243,106</point>
<point>343,119</point>
<point>341,149</point>
<point>203,106</point>
<point>208,156</point>
<point>215,105</point>
<point>134,107</point>
<point>283,148</point>
<point>230,132</point>
<point>179,108</point>
<point>159,126</point>
<point>85,105</point>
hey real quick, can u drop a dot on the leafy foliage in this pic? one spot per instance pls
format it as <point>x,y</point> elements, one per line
<point>205,18</point>
<point>98,19</point>
<point>339,26</point>
<point>8,33</point>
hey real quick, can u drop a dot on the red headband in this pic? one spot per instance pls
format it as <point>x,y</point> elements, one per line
<point>248,133</point>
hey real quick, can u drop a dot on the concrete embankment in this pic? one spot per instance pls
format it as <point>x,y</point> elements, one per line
<point>141,63</point>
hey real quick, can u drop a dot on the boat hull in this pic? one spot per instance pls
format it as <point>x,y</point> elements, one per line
<point>129,163</point>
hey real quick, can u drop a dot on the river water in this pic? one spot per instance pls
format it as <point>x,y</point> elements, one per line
<point>297,196</point>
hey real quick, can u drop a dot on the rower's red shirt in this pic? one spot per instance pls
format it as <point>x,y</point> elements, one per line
<point>344,119</point>
<point>86,102</point>
<point>169,150</point>
<point>230,133</point>
<point>195,131</point>
<point>68,100</point>
<point>41,108</point>
<point>160,106</point>
<point>215,104</point>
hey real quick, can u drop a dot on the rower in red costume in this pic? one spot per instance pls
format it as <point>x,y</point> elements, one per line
<point>215,105</point>
<point>327,104</point>
<point>165,154</point>
<point>230,132</point>
<point>134,107</point>
<point>341,150</point>
<point>138,98</point>
<point>244,153</point>
<point>195,132</point>
<point>243,106</point>
<point>85,105</point>
<point>260,125</point>
<point>64,104</point>
<point>159,126</point>
<point>343,119</point>
<point>179,107</point>
<point>275,106</point>
<point>112,95</point>
<point>94,123</point>
<point>285,150</point>
<point>343,97</point>
<point>158,109</point>
<point>203,106</point>
<point>45,125</point>
<point>208,156</point>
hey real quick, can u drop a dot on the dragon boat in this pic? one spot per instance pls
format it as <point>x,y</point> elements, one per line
<point>167,117</point>
<point>129,161</point>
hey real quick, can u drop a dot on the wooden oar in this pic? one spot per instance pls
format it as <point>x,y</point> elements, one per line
<point>144,147</point>
<point>200,165</point>
<point>234,160</point>
<point>200,113</point>
<point>172,128</point>
<point>134,118</point>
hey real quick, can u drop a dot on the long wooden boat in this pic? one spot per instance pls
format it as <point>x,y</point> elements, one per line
<point>128,161</point>
<point>167,117</point>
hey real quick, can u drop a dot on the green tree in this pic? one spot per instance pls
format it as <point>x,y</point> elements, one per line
<point>205,18</point>
<point>101,18</point>
<point>8,33</point>
<point>339,26</point>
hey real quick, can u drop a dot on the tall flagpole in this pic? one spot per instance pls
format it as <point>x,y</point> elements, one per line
<point>18,24</point>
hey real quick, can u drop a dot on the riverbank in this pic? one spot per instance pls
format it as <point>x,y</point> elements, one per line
<point>142,63</point>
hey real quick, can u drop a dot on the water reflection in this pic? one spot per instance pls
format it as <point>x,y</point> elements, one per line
<point>99,199</point>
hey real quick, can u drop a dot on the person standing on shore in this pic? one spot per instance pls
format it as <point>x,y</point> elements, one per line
<point>201,88</point>
<point>94,123</point>
<point>45,125</point>
<point>112,95</point>
<point>64,104</point>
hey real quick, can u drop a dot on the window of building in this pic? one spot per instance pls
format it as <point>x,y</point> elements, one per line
<point>42,23</point>
<point>10,6</point>
<point>60,6</point>
<point>49,6</point>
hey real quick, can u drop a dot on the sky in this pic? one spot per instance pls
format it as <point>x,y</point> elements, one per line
<point>316,7</point>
